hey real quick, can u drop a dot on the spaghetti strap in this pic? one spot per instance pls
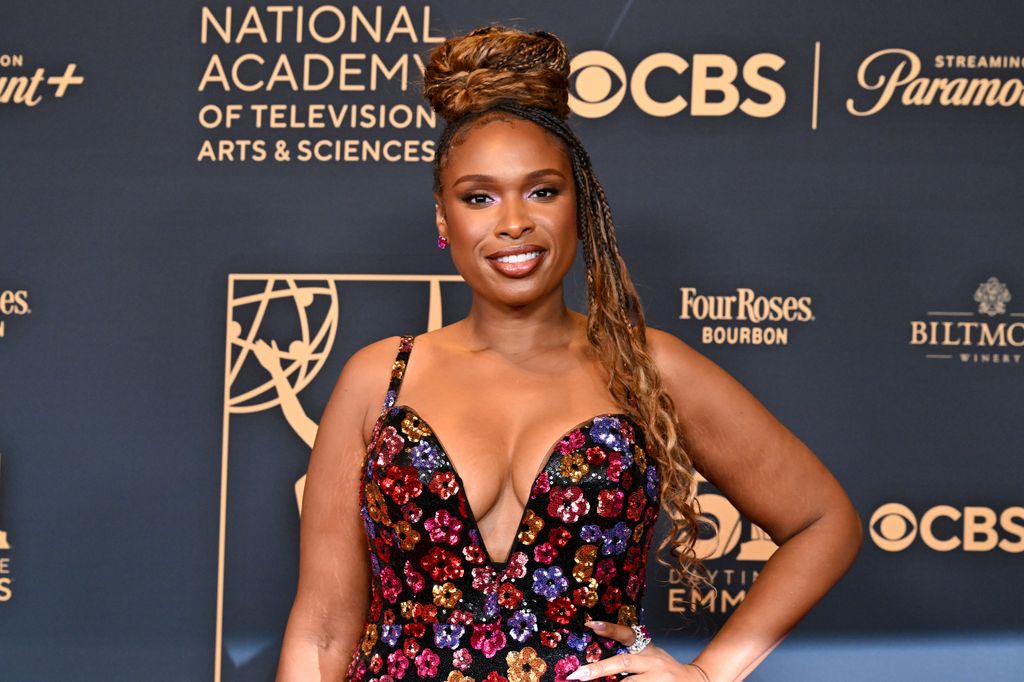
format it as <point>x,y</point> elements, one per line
<point>397,372</point>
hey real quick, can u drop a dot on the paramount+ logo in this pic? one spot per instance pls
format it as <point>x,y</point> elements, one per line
<point>944,528</point>
<point>717,84</point>
<point>29,90</point>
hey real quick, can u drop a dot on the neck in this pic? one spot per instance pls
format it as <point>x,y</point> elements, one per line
<point>514,331</point>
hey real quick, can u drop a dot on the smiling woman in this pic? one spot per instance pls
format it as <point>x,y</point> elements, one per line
<point>565,435</point>
<point>504,225</point>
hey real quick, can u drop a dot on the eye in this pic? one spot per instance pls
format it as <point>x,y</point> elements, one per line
<point>547,192</point>
<point>473,197</point>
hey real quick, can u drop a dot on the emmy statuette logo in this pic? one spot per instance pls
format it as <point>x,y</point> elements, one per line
<point>281,330</point>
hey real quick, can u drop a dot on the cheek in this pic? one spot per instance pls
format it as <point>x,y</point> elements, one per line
<point>568,220</point>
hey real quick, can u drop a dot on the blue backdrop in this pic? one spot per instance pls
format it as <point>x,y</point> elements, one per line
<point>181,180</point>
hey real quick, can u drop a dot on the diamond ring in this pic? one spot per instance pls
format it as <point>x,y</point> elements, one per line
<point>643,638</point>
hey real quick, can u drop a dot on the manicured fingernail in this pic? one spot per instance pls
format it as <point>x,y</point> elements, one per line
<point>596,624</point>
<point>578,674</point>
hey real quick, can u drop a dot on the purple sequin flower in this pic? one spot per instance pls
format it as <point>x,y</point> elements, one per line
<point>447,635</point>
<point>590,532</point>
<point>390,632</point>
<point>652,481</point>
<point>579,641</point>
<point>425,456</point>
<point>613,540</point>
<point>607,431</point>
<point>549,582</point>
<point>371,527</point>
<point>491,604</point>
<point>522,624</point>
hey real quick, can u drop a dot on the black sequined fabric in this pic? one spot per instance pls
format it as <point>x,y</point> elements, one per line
<point>441,609</point>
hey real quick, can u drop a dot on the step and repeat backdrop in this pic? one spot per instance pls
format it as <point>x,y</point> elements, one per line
<point>823,198</point>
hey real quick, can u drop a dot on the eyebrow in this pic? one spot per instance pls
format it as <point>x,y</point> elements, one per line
<point>477,177</point>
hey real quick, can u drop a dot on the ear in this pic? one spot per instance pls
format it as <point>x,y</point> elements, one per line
<point>439,219</point>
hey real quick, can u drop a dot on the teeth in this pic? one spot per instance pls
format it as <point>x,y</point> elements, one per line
<point>518,258</point>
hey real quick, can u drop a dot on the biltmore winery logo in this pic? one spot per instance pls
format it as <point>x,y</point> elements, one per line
<point>989,334</point>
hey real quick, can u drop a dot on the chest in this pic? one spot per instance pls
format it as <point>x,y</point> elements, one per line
<point>597,470</point>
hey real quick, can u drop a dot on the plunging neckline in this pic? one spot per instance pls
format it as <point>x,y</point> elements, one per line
<point>464,497</point>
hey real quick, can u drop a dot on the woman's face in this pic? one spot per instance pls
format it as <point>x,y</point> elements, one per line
<point>508,209</point>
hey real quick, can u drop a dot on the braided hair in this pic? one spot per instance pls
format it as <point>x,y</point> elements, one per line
<point>496,71</point>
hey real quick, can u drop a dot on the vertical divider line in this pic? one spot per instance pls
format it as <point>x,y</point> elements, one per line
<point>218,648</point>
<point>817,75</point>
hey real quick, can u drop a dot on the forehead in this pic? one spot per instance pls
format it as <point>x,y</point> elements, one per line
<point>505,146</point>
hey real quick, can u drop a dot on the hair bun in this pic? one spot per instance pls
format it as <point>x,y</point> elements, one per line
<point>468,73</point>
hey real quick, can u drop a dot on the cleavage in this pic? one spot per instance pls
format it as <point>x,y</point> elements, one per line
<point>497,469</point>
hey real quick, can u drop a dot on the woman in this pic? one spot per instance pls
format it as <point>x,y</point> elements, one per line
<point>485,560</point>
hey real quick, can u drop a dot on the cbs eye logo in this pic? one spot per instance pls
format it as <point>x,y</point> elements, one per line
<point>943,528</point>
<point>598,85</point>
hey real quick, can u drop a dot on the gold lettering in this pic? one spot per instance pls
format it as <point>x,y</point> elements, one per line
<point>990,339</point>
<point>1009,520</point>
<point>979,521</point>
<point>887,85</point>
<point>776,93</point>
<point>928,518</point>
<point>920,90</point>
<point>704,82</point>
<point>730,601</point>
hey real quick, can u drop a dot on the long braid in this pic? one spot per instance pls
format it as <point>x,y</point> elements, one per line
<point>617,331</point>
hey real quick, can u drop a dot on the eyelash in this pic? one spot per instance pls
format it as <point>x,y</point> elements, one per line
<point>553,191</point>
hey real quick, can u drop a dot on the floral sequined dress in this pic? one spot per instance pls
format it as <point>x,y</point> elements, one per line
<point>441,609</point>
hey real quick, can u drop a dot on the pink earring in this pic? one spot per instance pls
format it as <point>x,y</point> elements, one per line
<point>442,243</point>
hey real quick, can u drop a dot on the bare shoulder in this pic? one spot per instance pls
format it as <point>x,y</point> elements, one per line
<point>363,381</point>
<point>695,382</point>
<point>680,364</point>
<point>366,363</point>
<point>668,348</point>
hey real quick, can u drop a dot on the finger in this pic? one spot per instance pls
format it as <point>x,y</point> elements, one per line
<point>620,663</point>
<point>620,633</point>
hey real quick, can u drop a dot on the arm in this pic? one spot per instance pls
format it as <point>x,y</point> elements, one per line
<point>774,480</point>
<point>331,601</point>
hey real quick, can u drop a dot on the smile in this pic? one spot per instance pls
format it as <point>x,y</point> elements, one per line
<point>517,264</point>
<point>518,258</point>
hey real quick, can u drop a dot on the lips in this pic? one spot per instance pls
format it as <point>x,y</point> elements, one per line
<point>524,259</point>
<point>513,250</point>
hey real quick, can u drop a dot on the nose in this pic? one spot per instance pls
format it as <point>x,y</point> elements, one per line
<point>515,218</point>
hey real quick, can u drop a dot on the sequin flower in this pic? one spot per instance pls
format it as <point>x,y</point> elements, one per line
<point>447,636</point>
<point>549,582</point>
<point>568,504</point>
<point>522,625</point>
<point>487,638</point>
<point>443,527</point>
